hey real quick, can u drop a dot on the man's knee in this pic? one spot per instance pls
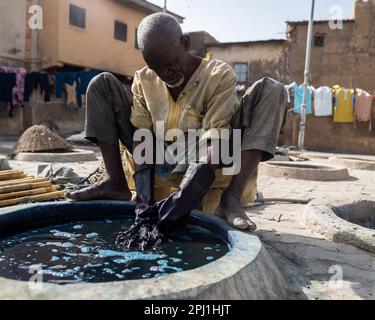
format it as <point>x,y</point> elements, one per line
<point>102,81</point>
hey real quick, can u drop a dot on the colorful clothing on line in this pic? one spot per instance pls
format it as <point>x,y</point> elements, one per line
<point>343,110</point>
<point>81,78</point>
<point>362,108</point>
<point>323,102</point>
<point>7,82</point>
<point>34,80</point>
<point>298,98</point>
<point>18,90</point>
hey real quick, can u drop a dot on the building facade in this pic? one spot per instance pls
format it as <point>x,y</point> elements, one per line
<point>92,34</point>
<point>340,56</point>
<point>253,60</point>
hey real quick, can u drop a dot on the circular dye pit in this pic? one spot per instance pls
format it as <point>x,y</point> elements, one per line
<point>350,222</point>
<point>303,171</point>
<point>354,163</point>
<point>61,157</point>
<point>71,244</point>
<point>86,252</point>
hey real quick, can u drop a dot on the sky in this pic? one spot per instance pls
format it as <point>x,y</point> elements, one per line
<point>249,20</point>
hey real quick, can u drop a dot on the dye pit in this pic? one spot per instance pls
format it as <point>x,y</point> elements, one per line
<point>85,252</point>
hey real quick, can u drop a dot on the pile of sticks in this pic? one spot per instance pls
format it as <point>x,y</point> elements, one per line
<point>16,187</point>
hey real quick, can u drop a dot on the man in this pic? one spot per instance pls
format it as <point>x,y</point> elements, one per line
<point>185,92</point>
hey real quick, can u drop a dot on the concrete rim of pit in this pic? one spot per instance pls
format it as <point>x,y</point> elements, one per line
<point>304,171</point>
<point>353,162</point>
<point>77,155</point>
<point>320,216</point>
<point>246,272</point>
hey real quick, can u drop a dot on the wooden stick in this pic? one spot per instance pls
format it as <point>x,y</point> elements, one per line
<point>26,186</point>
<point>28,193</point>
<point>11,175</point>
<point>41,197</point>
<point>8,171</point>
<point>22,181</point>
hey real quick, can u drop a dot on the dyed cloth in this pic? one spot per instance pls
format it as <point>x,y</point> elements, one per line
<point>363,103</point>
<point>110,118</point>
<point>323,102</point>
<point>298,98</point>
<point>35,80</point>
<point>80,78</point>
<point>71,92</point>
<point>20,83</point>
<point>344,110</point>
<point>7,82</point>
<point>62,78</point>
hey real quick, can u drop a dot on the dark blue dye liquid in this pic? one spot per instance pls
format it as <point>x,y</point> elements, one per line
<point>86,252</point>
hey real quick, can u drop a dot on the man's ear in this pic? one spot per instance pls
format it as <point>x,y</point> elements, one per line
<point>186,42</point>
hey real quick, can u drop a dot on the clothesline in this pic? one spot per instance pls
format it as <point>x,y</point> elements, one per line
<point>17,85</point>
<point>345,105</point>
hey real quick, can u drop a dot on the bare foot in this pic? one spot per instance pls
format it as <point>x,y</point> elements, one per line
<point>104,190</point>
<point>231,210</point>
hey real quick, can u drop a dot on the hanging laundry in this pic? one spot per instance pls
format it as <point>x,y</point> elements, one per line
<point>298,98</point>
<point>81,78</point>
<point>62,78</point>
<point>288,93</point>
<point>362,108</point>
<point>7,82</point>
<point>33,81</point>
<point>343,110</point>
<point>85,79</point>
<point>71,94</point>
<point>18,90</point>
<point>323,102</point>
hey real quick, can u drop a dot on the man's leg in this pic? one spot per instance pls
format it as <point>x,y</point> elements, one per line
<point>262,114</point>
<point>107,122</point>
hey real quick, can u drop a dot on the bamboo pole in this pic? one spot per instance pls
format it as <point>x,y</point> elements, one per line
<point>8,175</point>
<point>42,197</point>
<point>26,186</point>
<point>22,181</point>
<point>28,193</point>
<point>8,171</point>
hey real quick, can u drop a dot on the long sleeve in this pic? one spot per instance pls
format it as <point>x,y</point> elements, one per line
<point>221,107</point>
<point>140,116</point>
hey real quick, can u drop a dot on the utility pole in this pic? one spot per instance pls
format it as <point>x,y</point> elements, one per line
<point>302,128</point>
<point>165,6</point>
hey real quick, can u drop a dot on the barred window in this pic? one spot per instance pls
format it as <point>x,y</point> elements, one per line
<point>77,16</point>
<point>241,70</point>
<point>319,40</point>
<point>121,31</point>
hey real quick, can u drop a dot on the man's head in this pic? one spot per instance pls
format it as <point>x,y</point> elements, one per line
<point>165,48</point>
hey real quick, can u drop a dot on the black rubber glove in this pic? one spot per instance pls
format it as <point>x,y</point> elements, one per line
<point>145,187</point>
<point>197,181</point>
<point>145,232</point>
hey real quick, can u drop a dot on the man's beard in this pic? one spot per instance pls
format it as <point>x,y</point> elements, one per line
<point>177,84</point>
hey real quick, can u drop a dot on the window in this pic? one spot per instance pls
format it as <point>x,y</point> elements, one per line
<point>77,16</point>
<point>121,31</point>
<point>241,71</point>
<point>136,39</point>
<point>319,40</point>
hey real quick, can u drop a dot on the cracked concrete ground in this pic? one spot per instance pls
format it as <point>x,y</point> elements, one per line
<point>311,264</point>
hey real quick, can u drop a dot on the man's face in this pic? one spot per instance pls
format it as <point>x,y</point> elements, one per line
<point>168,62</point>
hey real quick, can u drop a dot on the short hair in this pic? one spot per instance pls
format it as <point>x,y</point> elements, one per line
<point>158,25</point>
